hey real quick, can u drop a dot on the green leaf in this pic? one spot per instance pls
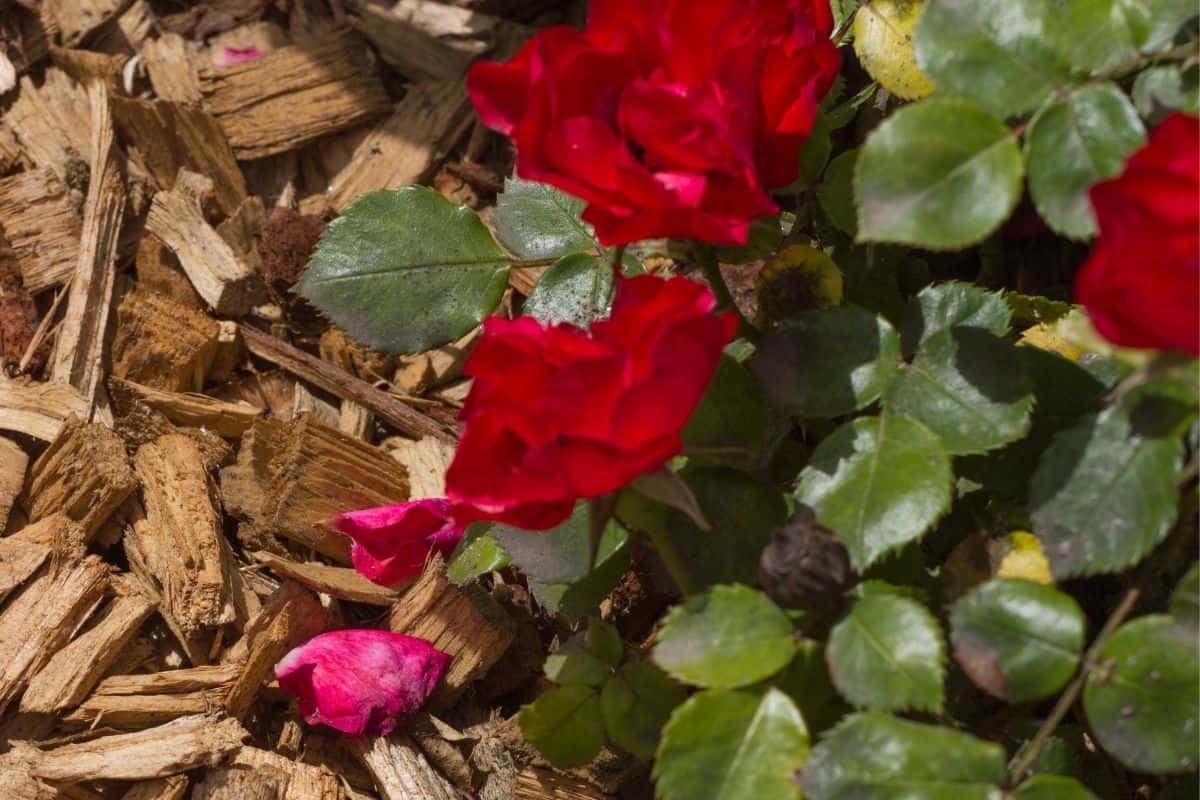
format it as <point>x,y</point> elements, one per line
<point>406,270</point>
<point>729,425</point>
<point>637,702</point>
<point>576,599</point>
<point>536,221</point>
<point>953,304</point>
<point>576,664</point>
<point>576,289</point>
<point>1103,495</point>
<point>827,362</point>
<point>875,756</point>
<point>1098,35</point>
<point>1073,143</point>
<point>1166,87</point>
<point>806,680</point>
<point>940,174</point>
<point>1052,787</point>
<point>1142,703</point>
<point>814,152</point>
<point>732,745</point>
<point>741,510</point>
<point>1017,640</point>
<point>477,554</point>
<point>604,641</point>
<point>967,386</point>
<point>887,653</point>
<point>879,483</point>
<point>998,52</point>
<point>565,725</point>
<point>836,192</point>
<point>729,637</point>
<point>1185,600</point>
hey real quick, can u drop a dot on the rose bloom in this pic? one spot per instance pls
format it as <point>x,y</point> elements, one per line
<point>1141,284</point>
<point>556,414</point>
<point>670,118</point>
<point>361,680</point>
<point>392,543</point>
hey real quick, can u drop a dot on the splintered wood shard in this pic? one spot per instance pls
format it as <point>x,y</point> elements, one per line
<point>43,615</point>
<point>169,749</point>
<point>399,770</point>
<point>229,285</point>
<point>300,781</point>
<point>38,409</point>
<point>80,343</point>
<point>135,702</point>
<point>19,559</point>
<point>294,95</point>
<point>52,123</point>
<point>42,224</point>
<point>181,542</point>
<point>405,147</point>
<point>84,474</point>
<point>229,420</point>
<point>163,343</point>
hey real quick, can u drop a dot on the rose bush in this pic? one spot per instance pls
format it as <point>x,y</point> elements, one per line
<point>669,117</point>
<point>1140,283</point>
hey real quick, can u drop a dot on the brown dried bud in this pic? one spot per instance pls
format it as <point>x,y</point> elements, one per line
<point>806,567</point>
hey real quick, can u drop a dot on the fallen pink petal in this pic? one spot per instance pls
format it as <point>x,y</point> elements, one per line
<point>361,681</point>
<point>231,56</point>
<point>392,543</point>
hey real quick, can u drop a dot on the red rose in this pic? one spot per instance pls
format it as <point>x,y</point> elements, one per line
<point>391,543</point>
<point>556,414</point>
<point>1141,284</point>
<point>670,118</point>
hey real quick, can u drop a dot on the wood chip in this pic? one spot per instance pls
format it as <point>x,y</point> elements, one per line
<point>77,668</point>
<point>42,224</point>
<point>79,347</point>
<point>420,373</point>
<point>172,136</point>
<point>303,781</point>
<point>77,18</point>
<point>18,561</point>
<point>84,474</point>
<point>340,582</point>
<point>53,124</point>
<point>17,782</point>
<point>182,543</point>
<point>426,460</point>
<point>533,783</point>
<point>162,343</point>
<point>229,286</point>
<point>172,788</point>
<point>169,749</point>
<point>172,63</point>
<point>294,95</point>
<point>14,461</point>
<point>342,384</point>
<point>405,147</point>
<point>38,409</point>
<point>43,616</point>
<point>241,783</point>
<point>229,420</point>
<point>462,621</point>
<point>399,770</point>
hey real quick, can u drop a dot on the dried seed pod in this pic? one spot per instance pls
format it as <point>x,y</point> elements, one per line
<point>806,567</point>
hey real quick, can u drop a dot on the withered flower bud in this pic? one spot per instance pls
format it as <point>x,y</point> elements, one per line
<point>805,567</point>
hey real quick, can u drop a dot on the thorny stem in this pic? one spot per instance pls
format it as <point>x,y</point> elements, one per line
<point>1068,697</point>
<point>707,256</point>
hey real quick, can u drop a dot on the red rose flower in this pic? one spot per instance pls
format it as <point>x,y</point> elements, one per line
<point>391,543</point>
<point>668,117</point>
<point>1141,284</point>
<point>556,414</point>
<point>361,680</point>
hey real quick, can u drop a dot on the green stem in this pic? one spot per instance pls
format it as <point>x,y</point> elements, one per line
<point>707,256</point>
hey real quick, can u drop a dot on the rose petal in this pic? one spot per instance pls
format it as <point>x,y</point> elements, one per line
<point>392,543</point>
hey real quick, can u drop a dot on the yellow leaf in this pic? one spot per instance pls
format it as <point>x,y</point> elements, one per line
<point>883,41</point>
<point>1046,337</point>
<point>797,278</point>
<point>1024,558</point>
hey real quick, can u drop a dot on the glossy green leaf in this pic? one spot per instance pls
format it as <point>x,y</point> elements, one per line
<point>604,641</point>
<point>477,554</point>
<point>574,600</point>
<point>1168,87</point>
<point>1017,640</point>
<point>879,483</point>
<point>1052,787</point>
<point>732,745</point>
<point>1073,143</point>
<point>941,173</point>
<point>967,386</point>
<point>576,289</point>
<point>406,271</point>
<point>828,362</point>
<point>836,192</point>
<point>1142,702</point>
<point>1100,35</point>
<point>637,702</point>
<point>806,680</point>
<point>888,654</point>
<point>730,424</point>
<point>1185,600</point>
<point>741,512</point>
<point>952,304</point>
<point>728,637</point>
<point>565,725</point>
<point>536,221</point>
<point>875,756</point>
<point>1103,495</point>
<point>1000,53</point>
<point>575,664</point>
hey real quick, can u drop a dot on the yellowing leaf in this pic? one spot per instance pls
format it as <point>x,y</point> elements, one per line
<point>1024,558</point>
<point>1046,337</point>
<point>798,278</point>
<point>883,41</point>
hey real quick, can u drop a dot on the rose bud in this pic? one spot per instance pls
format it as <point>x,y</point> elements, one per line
<point>392,543</point>
<point>361,680</point>
<point>806,567</point>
